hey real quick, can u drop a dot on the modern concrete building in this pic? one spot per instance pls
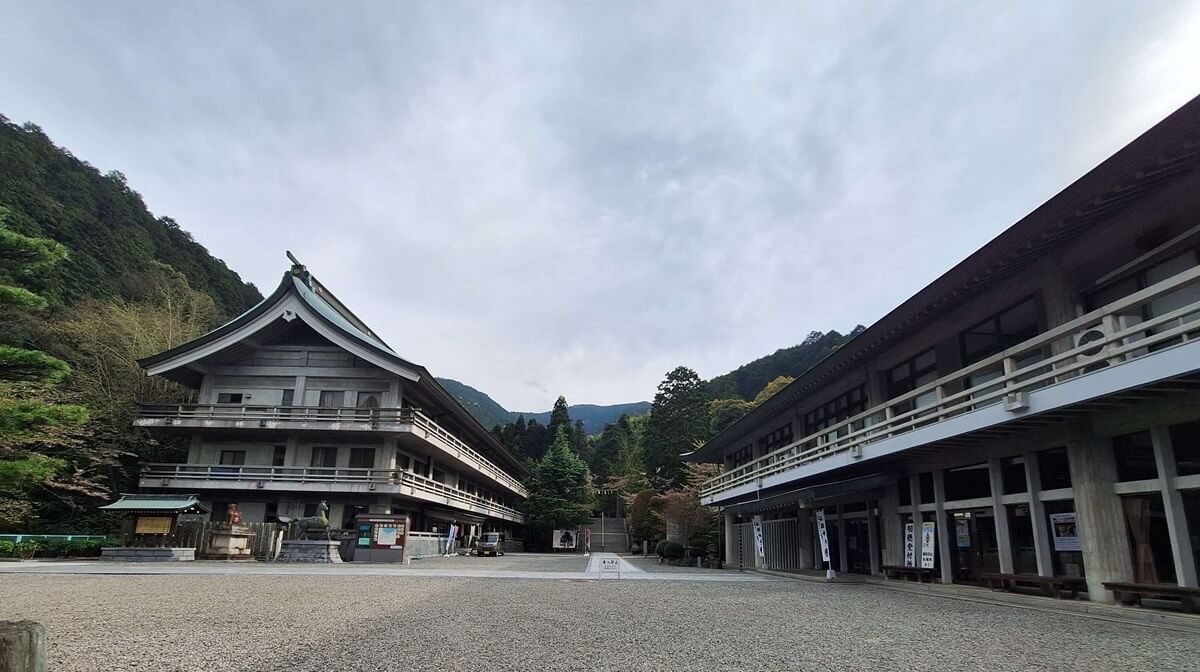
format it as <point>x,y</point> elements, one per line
<point>1039,403</point>
<point>299,401</point>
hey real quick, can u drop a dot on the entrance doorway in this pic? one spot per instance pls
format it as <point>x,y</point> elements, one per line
<point>858,546</point>
<point>973,545</point>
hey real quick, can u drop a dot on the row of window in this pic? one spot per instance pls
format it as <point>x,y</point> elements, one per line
<point>327,398</point>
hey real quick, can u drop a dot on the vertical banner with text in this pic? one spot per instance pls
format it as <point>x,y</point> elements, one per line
<point>910,545</point>
<point>823,534</point>
<point>928,534</point>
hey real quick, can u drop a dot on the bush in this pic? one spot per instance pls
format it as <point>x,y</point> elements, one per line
<point>635,549</point>
<point>672,550</point>
<point>54,548</point>
<point>28,548</point>
<point>85,548</point>
<point>7,548</point>
<point>695,551</point>
<point>658,548</point>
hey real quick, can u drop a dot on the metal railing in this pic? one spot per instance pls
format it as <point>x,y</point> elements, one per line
<point>391,480</point>
<point>369,419</point>
<point>1109,336</point>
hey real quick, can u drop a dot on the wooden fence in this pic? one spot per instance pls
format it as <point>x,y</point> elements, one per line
<point>264,538</point>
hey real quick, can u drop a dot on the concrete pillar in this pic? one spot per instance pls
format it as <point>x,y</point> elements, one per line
<point>730,538</point>
<point>1000,513</point>
<point>873,537</point>
<point>942,535</point>
<point>301,388</point>
<point>759,562</point>
<point>1177,523</point>
<point>843,561</point>
<point>1037,516</point>
<point>1098,515</point>
<point>892,529</point>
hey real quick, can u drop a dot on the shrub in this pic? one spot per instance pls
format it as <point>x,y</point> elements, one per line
<point>635,549</point>
<point>28,548</point>
<point>672,550</point>
<point>54,548</point>
<point>7,548</point>
<point>658,548</point>
<point>695,551</point>
<point>85,548</point>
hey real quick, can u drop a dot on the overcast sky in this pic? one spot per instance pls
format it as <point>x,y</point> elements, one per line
<point>574,198</point>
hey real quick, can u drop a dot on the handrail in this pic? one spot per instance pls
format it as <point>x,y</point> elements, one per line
<point>248,472</point>
<point>1104,337</point>
<point>371,416</point>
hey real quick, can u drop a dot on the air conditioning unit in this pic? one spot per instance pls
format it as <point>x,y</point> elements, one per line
<point>856,452</point>
<point>1016,401</point>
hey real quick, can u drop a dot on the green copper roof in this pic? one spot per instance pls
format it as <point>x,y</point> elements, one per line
<point>164,503</point>
<point>319,304</point>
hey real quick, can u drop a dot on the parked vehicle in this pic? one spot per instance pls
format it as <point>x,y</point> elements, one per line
<point>491,543</point>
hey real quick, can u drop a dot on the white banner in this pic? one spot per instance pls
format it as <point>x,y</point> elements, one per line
<point>910,545</point>
<point>823,534</point>
<point>1066,534</point>
<point>758,541</point>
<point>928,534</point>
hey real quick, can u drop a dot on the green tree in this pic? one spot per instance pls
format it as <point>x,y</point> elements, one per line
<point>679,418</point>
<point>580,443</point>
<point>560,416</point>
<point>725,412</point>
<point>30,419</point>
<point>560,495</point>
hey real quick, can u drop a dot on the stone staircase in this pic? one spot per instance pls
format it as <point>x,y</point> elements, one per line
<point>608,535</point>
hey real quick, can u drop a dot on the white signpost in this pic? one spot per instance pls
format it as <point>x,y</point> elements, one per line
<point>910,545</point>
<point>823,534</point>
<point>610,566</point>
<point>928,533</point>
<point>758,543</point>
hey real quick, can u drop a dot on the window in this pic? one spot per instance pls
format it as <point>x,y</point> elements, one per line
<point>362,458</point>
<point>1055,469</point>
<point>905,491</point>
<point>271,512</point>
<point>229,398</point>
<point>369,399</point>
<point>310,509</point>
<point>324,456</point>
<point>836,410</point>
<point>1149,538</point>
<point>1134,454</point>
<point>1185,440</point>
<point>402,461</point>
<point>289,397</point>
<point>925,486</point>
<point>279,457</point>
<point>233,457</point>
<point>1012,472</point>
<point>1164,304</point>
<point>741,456</point>
<point>968,482</point>
<point>1000,332</point>
<point>332,398</point>
<point>916,372</point>
<point>776,439</point>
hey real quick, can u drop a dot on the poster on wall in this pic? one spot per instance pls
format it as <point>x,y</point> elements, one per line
<point>962,533</point>
<point>910,545</point>
<point>758,541</point>
<point>563,539</point>
<point>928,532</point>
<point>386,536</point>
<point>1066,535</point>
<point>823,534</point>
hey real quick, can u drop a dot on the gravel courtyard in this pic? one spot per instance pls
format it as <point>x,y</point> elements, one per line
<point>331,623</point>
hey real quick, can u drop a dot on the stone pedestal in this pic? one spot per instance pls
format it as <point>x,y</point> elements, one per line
<point>229,543</point>
<point>138,554</point>
<point>303,550</point>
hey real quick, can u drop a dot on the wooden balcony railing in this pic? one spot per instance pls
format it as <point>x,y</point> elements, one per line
<point>1109,336</point>
<point>385,480</point>
<point>334,419</point>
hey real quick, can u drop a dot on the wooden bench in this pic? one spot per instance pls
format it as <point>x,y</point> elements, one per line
<point>901,571</point>
<point>1132,593</point>
<point>1051,585</point>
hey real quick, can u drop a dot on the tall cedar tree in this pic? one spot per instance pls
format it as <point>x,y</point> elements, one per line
<point>29,423</point>
<point>678,419</point>
<point>580,443</point>
<point>560,416</point>
<point>559,493</point>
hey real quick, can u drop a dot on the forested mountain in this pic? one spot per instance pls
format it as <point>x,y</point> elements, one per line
<point>484,408</point>
<point>595,417</point>
<point>747,380</point>
<point>489,413</point>
<point>104,223</point>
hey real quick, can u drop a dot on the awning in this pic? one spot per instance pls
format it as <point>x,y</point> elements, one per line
<point>807,495</point>
<point>177,504</point>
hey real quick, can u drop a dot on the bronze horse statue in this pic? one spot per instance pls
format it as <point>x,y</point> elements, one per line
<point>319,522</point>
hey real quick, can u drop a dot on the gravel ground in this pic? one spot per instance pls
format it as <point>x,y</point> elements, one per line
<point>522,562</point>
<point>651,565</point>
<point>304,623</point>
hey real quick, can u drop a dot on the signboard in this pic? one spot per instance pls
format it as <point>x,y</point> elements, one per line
<point>1066,535</point>
<point>610,566</point>
<point>910,545</point>
<point>758,541</point>
<point>823,534</point>
<point>364,535</point>
<point>563,539</point>
<point>962,533</point>
<point>928,533</point>
<point>386,536</point>
<point>153,525</point>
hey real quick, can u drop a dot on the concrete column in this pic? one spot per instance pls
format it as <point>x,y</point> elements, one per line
<point>805,522</point>
<point>1000,513</point>
<point>1037,516</point>
<point>873,538</point>
<point>301,388</point>
<point>1098,516</point>
<point>943,535</point>
<point>843,561</point>
<point>730,538</point>
<point>759,563</point>
<point>893,531</point>
<point>1177,523</point>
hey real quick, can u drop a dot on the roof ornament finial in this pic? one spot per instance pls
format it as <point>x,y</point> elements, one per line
<point>298,269</point>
